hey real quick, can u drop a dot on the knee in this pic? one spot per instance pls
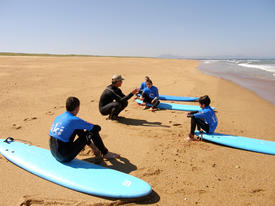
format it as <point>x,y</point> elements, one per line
<point>96,128</point>
<point>117,105</point>
<point>124,104</point>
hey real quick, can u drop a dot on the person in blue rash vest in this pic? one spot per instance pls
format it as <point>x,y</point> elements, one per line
<point>150,95</point>
<point>205,119</point>
<point>143,85</point>
<point>64,130</point>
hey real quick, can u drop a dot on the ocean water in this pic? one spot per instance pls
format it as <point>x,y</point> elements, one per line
<point>256,75</point>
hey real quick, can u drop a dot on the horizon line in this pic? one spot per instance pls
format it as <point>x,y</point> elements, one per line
<point>215,57</point>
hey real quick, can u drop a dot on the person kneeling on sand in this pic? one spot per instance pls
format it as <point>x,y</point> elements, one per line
<point>64,130</point>
<point>112,100</point>
<point>150,95</point>
<point>205,119</point>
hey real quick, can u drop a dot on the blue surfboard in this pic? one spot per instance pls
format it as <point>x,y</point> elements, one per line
<point>77,175</point>
<point>245,143</point>
<point>172,106</point>
<point>177,98</point>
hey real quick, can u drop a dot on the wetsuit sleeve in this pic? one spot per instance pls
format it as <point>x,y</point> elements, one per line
<point>157,93</point>
<point>81,124</point>
<point>125,98</point>
<point>120,97</point>
<point>144,93</point>
<point>200,114</point>
<point>141,86</point>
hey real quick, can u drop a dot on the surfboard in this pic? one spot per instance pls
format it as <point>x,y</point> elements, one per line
<point>77,175</point>
<point>245,143</point>
<point>177,98</point>
<point>172,106</point>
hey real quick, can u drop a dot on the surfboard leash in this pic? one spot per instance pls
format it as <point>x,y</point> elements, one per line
<point>10,139</point>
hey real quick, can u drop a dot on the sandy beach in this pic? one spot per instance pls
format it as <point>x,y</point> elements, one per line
<point>151,144</point>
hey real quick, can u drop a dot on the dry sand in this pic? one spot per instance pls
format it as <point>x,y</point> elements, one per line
<point>152,146</point>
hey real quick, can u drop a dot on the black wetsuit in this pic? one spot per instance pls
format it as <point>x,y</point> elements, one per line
<point>200,123</point>
<point>113,101</point>
<point>67,151</point>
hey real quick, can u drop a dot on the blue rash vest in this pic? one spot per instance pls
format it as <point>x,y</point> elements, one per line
<point>209,116</point>
<point>142,86</point>
<point>151,92</point>
<point>65,124</point>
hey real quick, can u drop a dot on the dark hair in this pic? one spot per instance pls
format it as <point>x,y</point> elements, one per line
<point>72,103</point>
<point>149,81</point>
<point>205,100</point>
<point>146,77</point>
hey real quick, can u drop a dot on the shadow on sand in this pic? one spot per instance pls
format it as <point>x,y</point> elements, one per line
<point>124,165</point>
<point>120,164</point>
<point>140,122</point>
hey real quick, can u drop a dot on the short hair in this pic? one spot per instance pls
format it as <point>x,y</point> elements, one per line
<point>205,100</point>
<point>149,81</point>
<point>72,103</point>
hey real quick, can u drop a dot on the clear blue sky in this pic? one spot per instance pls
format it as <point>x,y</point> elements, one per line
<point>139,27</point>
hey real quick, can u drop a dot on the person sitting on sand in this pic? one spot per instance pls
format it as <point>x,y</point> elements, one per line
<point>112,100</point>
<point>64,130</point>
<point>150,95</point>
<point>205,119</point>
<point>143,85</point>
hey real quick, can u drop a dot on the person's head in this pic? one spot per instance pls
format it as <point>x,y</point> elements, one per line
<point>204,101</point>
<point>149,83</point>
<point>147,78</point>
<point>72,105</point>
<point>117,80</point>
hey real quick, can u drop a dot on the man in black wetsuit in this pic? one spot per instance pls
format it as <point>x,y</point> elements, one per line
<point>112,100</point>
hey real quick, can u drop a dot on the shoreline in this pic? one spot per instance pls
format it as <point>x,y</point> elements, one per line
<point>152,144</point>
<point>264,88</point>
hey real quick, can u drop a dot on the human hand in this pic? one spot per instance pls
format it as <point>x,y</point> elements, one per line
<point>189,115</point>
<point>135,91</point>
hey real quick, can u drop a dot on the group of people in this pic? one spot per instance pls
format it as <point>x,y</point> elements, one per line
<point>113,101</point>
<point>63,143</point>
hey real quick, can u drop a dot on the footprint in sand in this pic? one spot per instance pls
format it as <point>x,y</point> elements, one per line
<point>30,119</point>
<point>176,124</point>
<point>58,107</point>
<point>152,172</point>
<point>50,113</point>
<point>37,200</point>
<point>257,191</point>
<point>16,126</point>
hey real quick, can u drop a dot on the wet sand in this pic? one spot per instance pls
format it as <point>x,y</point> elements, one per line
<point>260,82</point>
<point>151,144</point>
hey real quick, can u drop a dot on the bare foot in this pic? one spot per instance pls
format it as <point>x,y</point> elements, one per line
<point>191,138</point>
<point>111,155</point>
<point>146,107</point>
<point>152,109</point>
